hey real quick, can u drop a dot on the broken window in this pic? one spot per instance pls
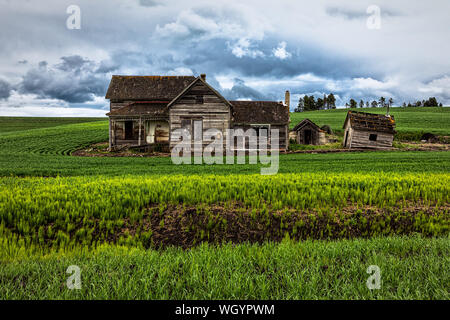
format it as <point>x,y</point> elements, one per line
<point>199,99</point>
<point>373,137</point>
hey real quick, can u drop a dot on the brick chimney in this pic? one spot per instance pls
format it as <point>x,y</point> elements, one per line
<point>287,98</point>
<point>203,76</point>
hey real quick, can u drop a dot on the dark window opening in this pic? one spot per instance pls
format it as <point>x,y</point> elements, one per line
<point>346,138</point>
<point>199,99</point>
<point>261,129</point>
<point>373,137</point>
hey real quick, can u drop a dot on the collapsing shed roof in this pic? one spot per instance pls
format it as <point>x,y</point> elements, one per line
<point>371,122</point>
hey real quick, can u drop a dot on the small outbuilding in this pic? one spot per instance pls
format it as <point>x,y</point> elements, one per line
<point>368,130</point>
<point>307,132</point>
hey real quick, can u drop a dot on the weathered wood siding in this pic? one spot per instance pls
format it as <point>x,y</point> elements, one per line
<point>314,138</point>
<point>283,134</point>
<point>213,112</point>
<point>114,105</point>
<point>360,139</point>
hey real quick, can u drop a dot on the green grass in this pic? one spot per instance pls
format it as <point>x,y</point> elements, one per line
<point>96,215</point>
<point>44,152</point>
<point>411,268</point>
<point>51,214</point>
<point>408,120</point>
<point>8,124</point>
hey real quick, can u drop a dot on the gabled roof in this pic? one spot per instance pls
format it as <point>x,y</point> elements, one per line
<point>147,87</point>
<point>370,122</point>
<point>304,123</point>
<point>260,112</point>
<point>156,109</point>
<point>192,84</point>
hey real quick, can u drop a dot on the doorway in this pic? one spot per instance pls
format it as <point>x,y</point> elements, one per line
<point>346,137</point>
<point>128,130</point>
<point>307,136</point>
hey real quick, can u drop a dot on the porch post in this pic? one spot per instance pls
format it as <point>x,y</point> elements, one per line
<point>109,131</point>
<point>140,123</point>
<point>113,132</point>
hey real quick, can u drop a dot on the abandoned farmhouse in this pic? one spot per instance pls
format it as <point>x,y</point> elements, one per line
<point>145,110</point>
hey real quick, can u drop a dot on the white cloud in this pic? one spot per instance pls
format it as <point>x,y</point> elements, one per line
<point>338,52</point>
<point>226,82</point>
<point>369,83</point>
<point>180,71</point>
<point>243,47</point>
<point>221,20</point>
<point>439,86</point>
<point>280,52</point>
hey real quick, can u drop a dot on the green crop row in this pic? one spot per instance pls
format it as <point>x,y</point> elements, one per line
<point>408,120</point>
<point>59,140</point>
<point>61,212</point>
<point>411,268</point>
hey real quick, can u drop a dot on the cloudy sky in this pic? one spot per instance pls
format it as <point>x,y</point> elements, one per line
<point>249,49</point>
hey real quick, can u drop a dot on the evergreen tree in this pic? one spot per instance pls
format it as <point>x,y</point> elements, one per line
<point>300,106</point>
<point>331,101</point>
<point>310,103</point>
<point>431,102</point>
<point>319,104</point>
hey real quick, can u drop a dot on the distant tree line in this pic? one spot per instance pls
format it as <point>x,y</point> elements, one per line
<point>309,103</point>
<point>382,103</point>
<point>431,102</point>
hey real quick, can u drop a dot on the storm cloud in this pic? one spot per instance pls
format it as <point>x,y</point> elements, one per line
<point>73,80</point>
<point>252,49</point>
<point>5,89</point>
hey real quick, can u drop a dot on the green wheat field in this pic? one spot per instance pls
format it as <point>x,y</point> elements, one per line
<point>144,228</point>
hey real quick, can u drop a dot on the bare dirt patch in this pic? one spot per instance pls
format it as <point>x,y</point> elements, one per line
<point>187,226</point>
<point>101,150</point>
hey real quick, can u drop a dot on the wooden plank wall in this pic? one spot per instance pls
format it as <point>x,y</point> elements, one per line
<point>114,105</point>
<point>213,112</point>
<point>360,139</point>
<point>314,135</point>
<point>283,134</point>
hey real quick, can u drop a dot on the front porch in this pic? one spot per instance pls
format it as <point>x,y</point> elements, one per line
<point>138,131</point>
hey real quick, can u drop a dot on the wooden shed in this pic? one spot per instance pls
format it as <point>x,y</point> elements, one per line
<point>368,130</point>
<point>307,132</point>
